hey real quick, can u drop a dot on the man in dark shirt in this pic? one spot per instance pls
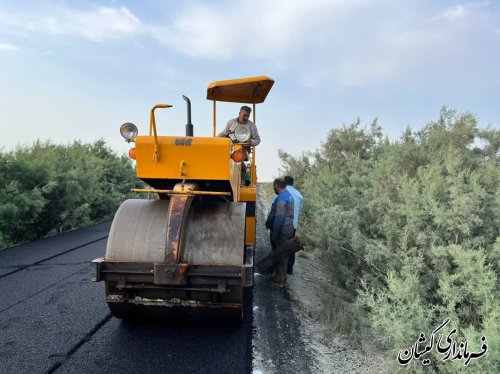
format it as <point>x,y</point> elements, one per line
<point>280,222</point>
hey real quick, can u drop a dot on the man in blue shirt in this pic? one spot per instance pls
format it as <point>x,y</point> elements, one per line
<point>280,222</point>
<point>297,201</point>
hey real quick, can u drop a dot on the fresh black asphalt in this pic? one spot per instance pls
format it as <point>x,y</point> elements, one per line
<point>53,319</point>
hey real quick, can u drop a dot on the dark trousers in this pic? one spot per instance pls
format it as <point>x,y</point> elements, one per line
<point>291,260</point>
<point>280,269</point>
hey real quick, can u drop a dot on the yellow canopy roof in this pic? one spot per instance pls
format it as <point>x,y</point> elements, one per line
<point>243,90</point>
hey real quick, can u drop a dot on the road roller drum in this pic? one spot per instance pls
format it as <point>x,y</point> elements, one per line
<point>212,235</point>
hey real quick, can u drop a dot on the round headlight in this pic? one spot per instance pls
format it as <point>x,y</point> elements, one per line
<point>242,133</point>
<point>129,131</point>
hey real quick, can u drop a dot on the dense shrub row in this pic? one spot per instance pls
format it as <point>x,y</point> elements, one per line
<point>48,188</point>
<point>411,229</point>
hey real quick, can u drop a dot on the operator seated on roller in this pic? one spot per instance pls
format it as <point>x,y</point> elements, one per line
<point>242,119</point>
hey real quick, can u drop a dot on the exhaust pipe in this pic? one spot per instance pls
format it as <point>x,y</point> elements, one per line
<point>189,126</point>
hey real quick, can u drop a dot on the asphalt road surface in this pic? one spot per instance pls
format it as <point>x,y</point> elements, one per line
<point>53,319</point>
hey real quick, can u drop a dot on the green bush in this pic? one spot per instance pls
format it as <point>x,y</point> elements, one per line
<point>411,229</point>
<point>48,188</point>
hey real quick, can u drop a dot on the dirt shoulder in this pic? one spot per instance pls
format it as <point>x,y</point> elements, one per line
<point>330,353</point>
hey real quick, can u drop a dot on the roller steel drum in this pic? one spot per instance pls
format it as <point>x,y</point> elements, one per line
<point>213,235</point>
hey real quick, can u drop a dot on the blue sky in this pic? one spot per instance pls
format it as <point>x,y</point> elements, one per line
<point>78,69</point>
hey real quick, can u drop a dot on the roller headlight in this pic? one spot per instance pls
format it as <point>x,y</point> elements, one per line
<point>242,133</point>
<point>129,131</point>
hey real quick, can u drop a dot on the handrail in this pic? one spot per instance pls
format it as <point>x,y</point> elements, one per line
<point>152,129</point>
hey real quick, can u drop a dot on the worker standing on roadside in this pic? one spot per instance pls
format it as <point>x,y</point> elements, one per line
<point>297,202</point>
<point>280,222</point>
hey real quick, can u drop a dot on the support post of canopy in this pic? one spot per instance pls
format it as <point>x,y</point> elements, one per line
<point>253,168</point>
<point>215,116</point>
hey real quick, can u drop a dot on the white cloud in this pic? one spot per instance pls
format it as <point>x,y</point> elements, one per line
<point>104,23</point>
<point>455,12</point>
<point>97,25</point>
<point>405,46</point>
<point>465,9</point>
<point>256,28</point>
<point>342,42</point>
<point>338,41</point>
<point>199,32</point>
<point>9,48</point>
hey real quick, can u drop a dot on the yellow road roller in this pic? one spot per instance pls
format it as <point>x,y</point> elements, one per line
<point>189,251</point>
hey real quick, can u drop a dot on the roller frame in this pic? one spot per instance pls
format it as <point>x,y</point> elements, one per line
<point>147,273</point>
<point>130,277</point>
